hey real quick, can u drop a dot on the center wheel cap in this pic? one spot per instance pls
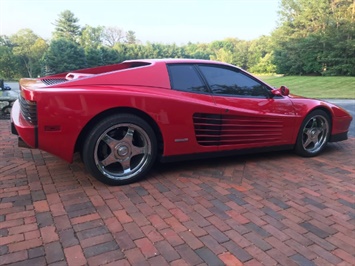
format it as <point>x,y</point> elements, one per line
<point>122,151</point>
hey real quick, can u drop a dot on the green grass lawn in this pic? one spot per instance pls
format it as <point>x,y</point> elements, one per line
<point>315,87</point>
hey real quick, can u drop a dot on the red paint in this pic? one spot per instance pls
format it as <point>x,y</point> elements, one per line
<point>64,109</point>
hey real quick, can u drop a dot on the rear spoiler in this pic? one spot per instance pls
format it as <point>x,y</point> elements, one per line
<point>31,82</point>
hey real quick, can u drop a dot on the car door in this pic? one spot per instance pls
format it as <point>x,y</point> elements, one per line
<point>250,116</point>
<point>190,98</point>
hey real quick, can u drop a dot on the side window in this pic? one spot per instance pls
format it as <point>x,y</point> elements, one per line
<point>232,82</point>
<point>184,77</point>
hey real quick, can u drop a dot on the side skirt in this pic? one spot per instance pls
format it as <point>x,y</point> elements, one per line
<point>195,156</point>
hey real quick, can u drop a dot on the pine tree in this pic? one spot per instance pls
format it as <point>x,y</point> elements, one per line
<point>66,27</point>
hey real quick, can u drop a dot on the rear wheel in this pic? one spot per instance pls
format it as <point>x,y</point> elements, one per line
<point>313,134</point>
<point>120,149</point>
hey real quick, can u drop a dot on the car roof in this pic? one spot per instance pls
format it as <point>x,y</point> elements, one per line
<point>179,61</point>
<point>108,74</point>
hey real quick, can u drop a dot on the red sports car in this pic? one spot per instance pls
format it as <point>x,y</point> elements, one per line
<point>124,117</point>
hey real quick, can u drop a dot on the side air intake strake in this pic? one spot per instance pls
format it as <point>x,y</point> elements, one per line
<point>212,129</point>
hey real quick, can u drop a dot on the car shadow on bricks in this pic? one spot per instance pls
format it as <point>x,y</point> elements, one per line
<point>231,169</point>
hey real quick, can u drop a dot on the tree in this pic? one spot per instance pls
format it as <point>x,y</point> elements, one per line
<point>198,51</point>
<point>315,37</point>
<point>112,36</point>
<point>264,65</point>
<point>223,55</point>
<point>260,50</point>
<point>230,50</point>
<point>8,63</point>
<point>109,56</point>
<point>29,48</point>
<point>5,41</point>
<point>93,57</point>
<point>101,56</point>
<point>8,66</point>
<point>131,37</point>
<point>66,27</point>
<point>62,56</point>
<point>91,37</point>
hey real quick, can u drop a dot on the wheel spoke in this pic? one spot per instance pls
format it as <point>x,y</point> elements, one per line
<point>110,159</point>
<point>126,165</point>
<point>111,142</point>
<point>135,149</point>
<point>129,136</point>
<point>307,142</point>
<point>317,133</point>
<point>138,150</point>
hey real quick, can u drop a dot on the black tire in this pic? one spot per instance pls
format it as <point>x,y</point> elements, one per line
<point>120,149</point>
<point>313,134</point>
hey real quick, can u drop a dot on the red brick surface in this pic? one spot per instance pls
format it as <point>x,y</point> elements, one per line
<point>265,209</point>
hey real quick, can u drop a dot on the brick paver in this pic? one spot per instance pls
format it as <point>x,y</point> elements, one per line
<point>265,209</point>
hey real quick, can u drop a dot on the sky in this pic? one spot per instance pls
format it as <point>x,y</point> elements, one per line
<point>159,21</point>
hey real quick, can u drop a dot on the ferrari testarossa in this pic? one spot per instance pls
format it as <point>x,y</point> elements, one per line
<point>124,117</point>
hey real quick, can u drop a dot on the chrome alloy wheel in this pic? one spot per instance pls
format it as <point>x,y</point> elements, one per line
<point>122,151</point>
<point>315,134</point>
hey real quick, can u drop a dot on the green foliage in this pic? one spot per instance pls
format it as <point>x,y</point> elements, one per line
<point>91,37</point>
<point>66,27</point>
<point>315,37</point>
<point>223,55</point>
<point>28,48</point>
<point>231,51</point>
<point>131,37</point>
<point>63,55</point>
<point>109,56</point>
<point>264,65</point>
<point>258,48</point>
<point>8,63</point>
<point>197,51</point>
<point>93,57</point>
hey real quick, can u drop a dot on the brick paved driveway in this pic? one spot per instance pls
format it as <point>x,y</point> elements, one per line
<point>272,209</point>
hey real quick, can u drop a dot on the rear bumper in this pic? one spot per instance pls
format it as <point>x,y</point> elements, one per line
<point>27,132</point>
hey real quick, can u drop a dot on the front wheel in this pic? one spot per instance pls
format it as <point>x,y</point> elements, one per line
<point>120,149</point>
<point>313,134</point>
